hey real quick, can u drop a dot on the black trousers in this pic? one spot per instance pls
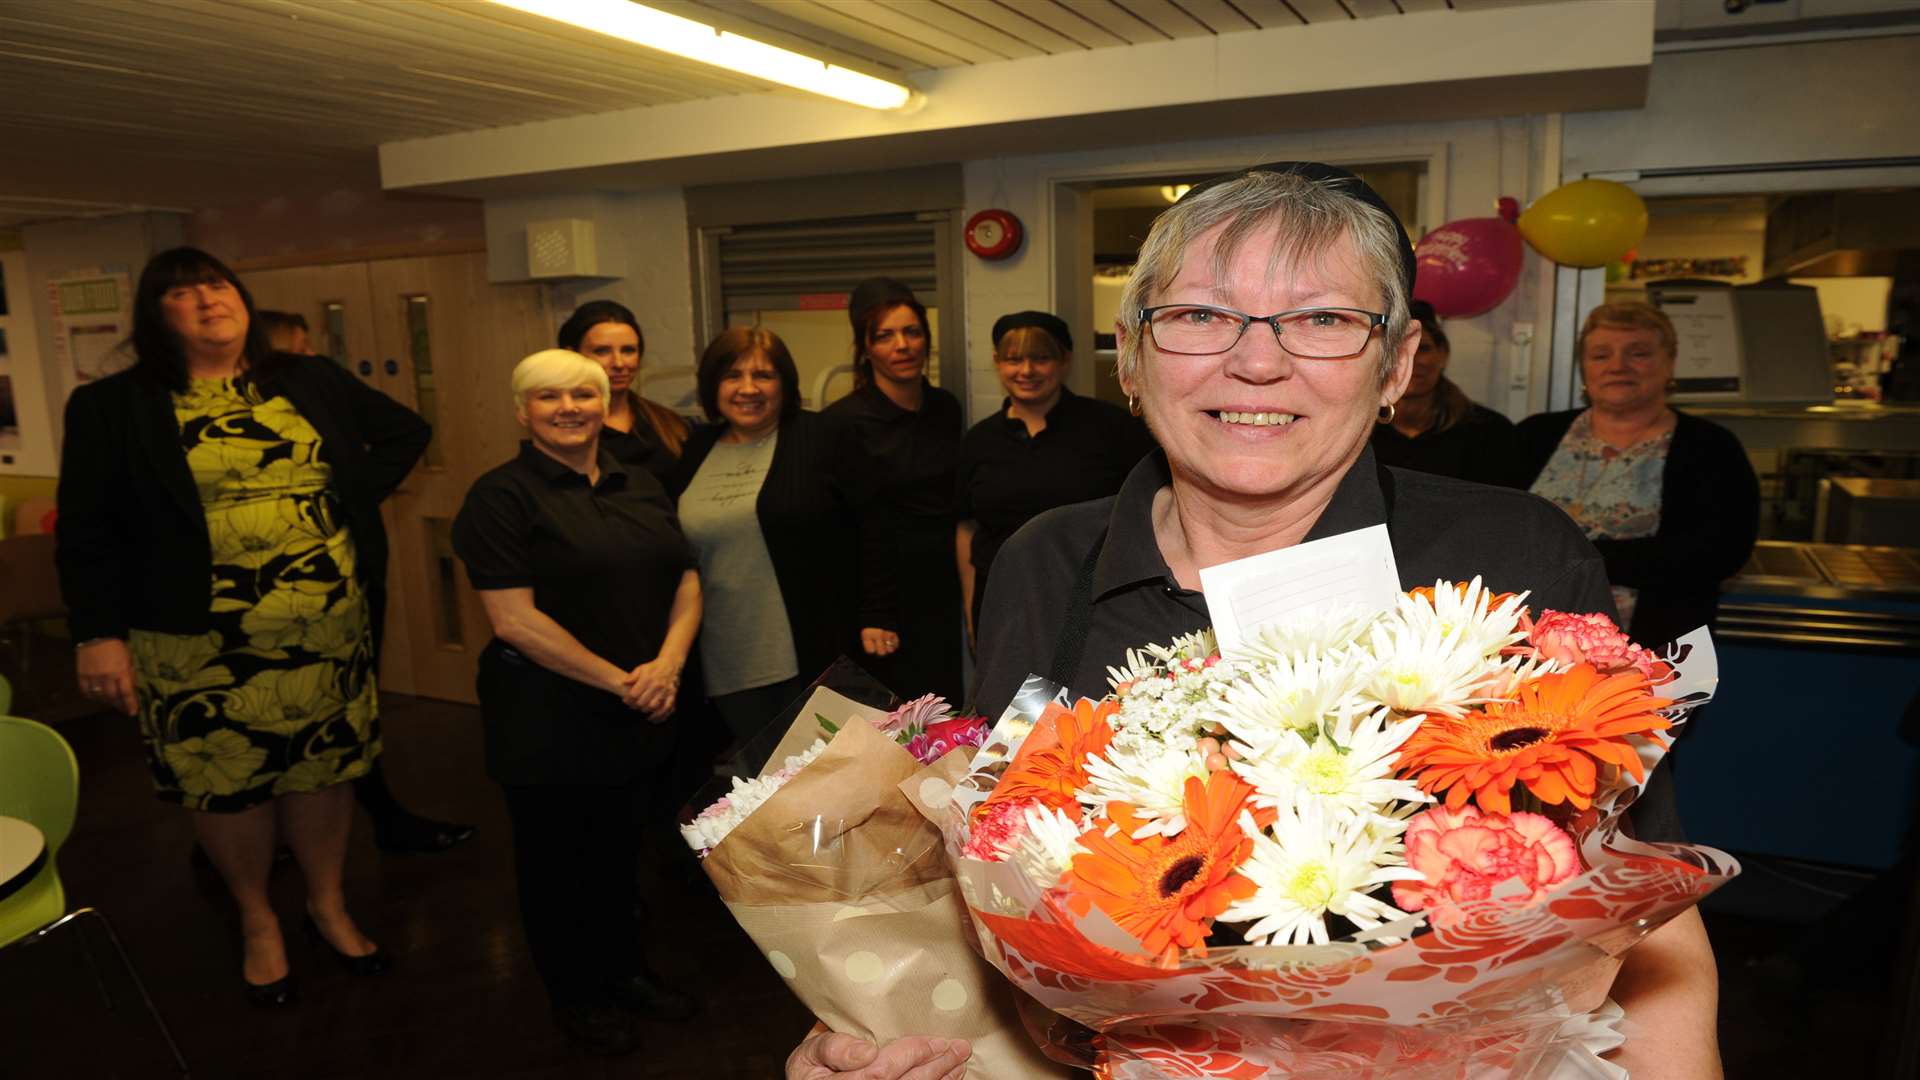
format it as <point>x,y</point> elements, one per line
<point>576,851</point>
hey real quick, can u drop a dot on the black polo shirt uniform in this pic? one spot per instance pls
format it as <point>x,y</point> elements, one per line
<point>604,561</point>
<point>1481,446</point>
<point>906,534</point>
<point>1440,529</point>
<point>1008,476</point>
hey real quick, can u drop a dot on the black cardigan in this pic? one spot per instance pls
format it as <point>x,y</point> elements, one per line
<point>131,535</point>
<point>1709,520</point>
<point>809,509</point>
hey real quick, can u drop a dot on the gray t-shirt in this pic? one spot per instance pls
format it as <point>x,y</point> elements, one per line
<point>745,640</point>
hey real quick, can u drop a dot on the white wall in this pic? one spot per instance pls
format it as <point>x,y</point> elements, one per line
<point>1472,164</point>
<point>642,243</point>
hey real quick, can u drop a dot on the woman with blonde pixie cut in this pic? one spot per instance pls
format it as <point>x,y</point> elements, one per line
<point>571,663</point>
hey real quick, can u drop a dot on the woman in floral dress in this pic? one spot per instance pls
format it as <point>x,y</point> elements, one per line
<point>218,542</point>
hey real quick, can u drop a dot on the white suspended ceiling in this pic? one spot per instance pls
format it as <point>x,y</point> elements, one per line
<point>186,102</point>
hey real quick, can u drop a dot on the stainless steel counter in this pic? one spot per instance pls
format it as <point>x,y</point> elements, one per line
<point>1852,425</point>
<point>1849,596</point>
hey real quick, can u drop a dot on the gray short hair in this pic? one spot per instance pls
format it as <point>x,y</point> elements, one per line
<point>1312,216</point>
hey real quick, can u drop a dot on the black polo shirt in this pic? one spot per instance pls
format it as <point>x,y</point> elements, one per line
<point>1439,528</point>
<point>640,449</point>
<point>604,560</point>
<point>1008,476</point>
<point>914,453</point>
<point>1482,447</point>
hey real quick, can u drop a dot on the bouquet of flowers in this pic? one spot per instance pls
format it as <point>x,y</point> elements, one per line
<point>1358,845</point>
<point>839,880</point>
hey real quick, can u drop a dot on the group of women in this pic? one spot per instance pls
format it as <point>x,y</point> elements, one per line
<point>220,551</point>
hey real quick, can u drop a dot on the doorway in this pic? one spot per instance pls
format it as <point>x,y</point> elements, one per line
<point>435,335</point>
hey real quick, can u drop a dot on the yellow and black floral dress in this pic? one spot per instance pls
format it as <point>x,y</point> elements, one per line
<point>279,696</point>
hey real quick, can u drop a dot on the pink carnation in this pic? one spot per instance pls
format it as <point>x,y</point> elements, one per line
<point>944,735</point>
<point>917,714</point>
<point>1592,639</point>
<point>1465,854</point>
<point>998,827</point>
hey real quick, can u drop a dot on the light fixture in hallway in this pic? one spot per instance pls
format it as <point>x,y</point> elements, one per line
<point>692,40</point>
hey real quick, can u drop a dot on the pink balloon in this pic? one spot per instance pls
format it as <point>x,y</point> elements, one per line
<point>1468,266</point>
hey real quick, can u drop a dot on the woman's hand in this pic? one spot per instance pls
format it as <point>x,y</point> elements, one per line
<point>653,688</point>
<point>106,674</point>
<point>831,1055</point>
<point>879,642</point>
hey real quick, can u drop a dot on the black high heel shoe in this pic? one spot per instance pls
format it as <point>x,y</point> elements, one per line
<point>374,963</point>
<point>274,995</point>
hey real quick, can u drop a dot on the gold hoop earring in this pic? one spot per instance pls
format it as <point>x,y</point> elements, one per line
<point>1133,405</point>
<point>1386,414</point>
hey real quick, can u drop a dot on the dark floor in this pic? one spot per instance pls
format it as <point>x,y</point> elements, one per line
<point>1804,979</point>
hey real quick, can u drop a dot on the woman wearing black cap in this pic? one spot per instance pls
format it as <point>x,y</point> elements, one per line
<point>1436,428</point>
<point>908,431</point>
<point>1046,447</point>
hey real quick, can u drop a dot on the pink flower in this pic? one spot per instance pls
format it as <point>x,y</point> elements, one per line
<point>915,715</point>
<point>1465,854</point>
<point>943,735</point>
<point>998,827</point>
<point>1591,639</point>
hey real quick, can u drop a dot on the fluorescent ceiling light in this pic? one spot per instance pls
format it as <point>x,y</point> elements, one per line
<point>657,29</point>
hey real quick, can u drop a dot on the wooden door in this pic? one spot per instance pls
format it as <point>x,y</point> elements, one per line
<point>448,341</point>
<point>337,301</point>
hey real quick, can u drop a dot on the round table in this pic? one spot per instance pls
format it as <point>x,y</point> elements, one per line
<point>23,849</point>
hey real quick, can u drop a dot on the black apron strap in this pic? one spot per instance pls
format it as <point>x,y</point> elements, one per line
<point>1072,642</point>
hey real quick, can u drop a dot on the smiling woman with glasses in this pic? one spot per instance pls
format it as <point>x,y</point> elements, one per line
<point>1264,444</point>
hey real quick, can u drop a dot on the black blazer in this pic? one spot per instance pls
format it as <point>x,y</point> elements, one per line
<point>1709,520</point>
<point>131,535</point>
<point>810,508</point>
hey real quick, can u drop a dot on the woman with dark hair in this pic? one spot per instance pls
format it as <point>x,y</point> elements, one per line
<point>1046,447</point>
<point>1670,500</point>
<point>909,433</point>
<point>638,431</point>
<point>1435,428</point>
<point>220,552</point>
<point>767,497</point>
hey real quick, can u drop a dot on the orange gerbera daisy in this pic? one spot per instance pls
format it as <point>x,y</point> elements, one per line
<point>1552,737</point>
<point>1166,891</point>
<point>1051,764</point>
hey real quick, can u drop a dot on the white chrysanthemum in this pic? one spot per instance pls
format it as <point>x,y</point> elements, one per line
<point>1428,667</point>
<point>1322,628</point>
<point>1150,776</point>
<point>1045,851</point>
<point>1295,694</point>
<point>1307,868</point>
<point>1483,624</point>
<point>1348,771</point>
<point>705,831</point>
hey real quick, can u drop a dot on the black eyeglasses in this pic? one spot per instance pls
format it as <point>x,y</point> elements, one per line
<point>1315,333</point>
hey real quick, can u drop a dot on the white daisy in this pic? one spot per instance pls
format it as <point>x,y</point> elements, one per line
<point>1322,628</point>
<point>1149,775</point>
<point>1294,694</point>
<point>1307,868</point>
<point>1427,666</point>
<point>1483,625</point>
<point>1044,853</point>
<point>1348,771</point>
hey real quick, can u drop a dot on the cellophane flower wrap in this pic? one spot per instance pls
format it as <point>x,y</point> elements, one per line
<point>838,877</point>
<point>1361,846</point>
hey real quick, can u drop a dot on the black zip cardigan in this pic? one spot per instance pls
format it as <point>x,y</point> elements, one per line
<point>1709,520</point>
<point>131,536</point>
<point>809,508</point>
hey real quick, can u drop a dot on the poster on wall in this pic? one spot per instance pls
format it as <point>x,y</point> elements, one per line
<point>1707,362</point>
<point>92,314</point>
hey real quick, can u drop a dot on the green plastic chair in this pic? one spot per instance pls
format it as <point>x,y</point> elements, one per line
<point>40,784</point>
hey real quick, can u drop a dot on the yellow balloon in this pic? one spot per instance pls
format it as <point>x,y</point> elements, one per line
<point>1585,223</point>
